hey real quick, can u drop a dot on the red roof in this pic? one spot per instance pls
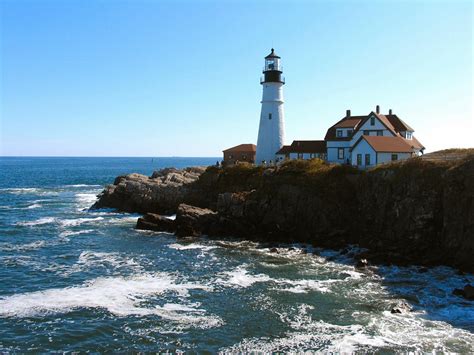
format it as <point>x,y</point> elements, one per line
<point>384,144</point>
<point>393,123</point>
<point>304,147</point>
<point>242,148</point>
<point>286,149</point>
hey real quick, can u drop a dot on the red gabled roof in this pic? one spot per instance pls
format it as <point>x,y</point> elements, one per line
<point>242,148</point>
<point>392,122</point>
<point>384,144</point>
<point>353,121</point>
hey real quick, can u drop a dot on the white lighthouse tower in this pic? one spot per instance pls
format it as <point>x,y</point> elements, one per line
<point>271,132</point>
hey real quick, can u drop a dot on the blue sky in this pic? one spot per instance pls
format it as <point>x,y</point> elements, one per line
<point>181,78</point>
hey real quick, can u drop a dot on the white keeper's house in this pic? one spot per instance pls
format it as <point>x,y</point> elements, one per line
<point>366,141</point>
<point>362,141</point>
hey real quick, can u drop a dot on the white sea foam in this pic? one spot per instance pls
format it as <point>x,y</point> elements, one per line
<point>23,247</point>
<point>240,277</point>
<point>69,233</point>
<point>119,295</point>
<point>90,259</point>
<point>86,198</point>
<point>35,205</point>
<point>191,246</point>
<point>82,185</point>
<point>38,222</point>
<point>78,221</point>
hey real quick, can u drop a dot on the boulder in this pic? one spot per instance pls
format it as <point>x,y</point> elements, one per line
<point>361,263</point>
<point>193,221</point>
<point>467,292</point>
<point>401,308</point>
<point>156,222</point>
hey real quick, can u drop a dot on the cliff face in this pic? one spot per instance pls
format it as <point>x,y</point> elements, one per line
<point>420,211</point>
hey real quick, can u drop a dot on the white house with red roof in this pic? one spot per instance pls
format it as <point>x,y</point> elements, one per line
<point>370,140</point>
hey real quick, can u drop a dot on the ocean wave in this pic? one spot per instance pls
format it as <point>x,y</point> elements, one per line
<point>86,198</point>
<point>240,277</point>
<point>38,222</point>
<point>29,190</point>
<point>191,246</point>
<point>69,233</point>
<point>78,221</point>
<point>22,247</point>
<point>383,332</point>
<point>120,296</point>
<point>81,185</point>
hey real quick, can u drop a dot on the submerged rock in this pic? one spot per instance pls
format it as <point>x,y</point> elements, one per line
<point>156,222</point>
<point>401,308</point>
<point>362,263</point>
<point>467,292</point>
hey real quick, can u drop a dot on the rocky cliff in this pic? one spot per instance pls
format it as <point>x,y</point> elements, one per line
<point>420,211</point>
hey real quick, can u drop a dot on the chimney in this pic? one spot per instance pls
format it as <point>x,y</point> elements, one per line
<point>377,109</point>
<point>390,111</point>
<point>348,113</point>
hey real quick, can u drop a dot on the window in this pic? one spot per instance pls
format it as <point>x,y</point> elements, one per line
<point>366,133</point>
<point>339,133</point>
<point>312,155</point>
<point>408,135</point>
<point>372,121</point>
<point>359,159</point>
<point>244,157</point>
<point>394,157</point>
<point>367,159</point>
<point>230,156</point>
<point>340,153</point>
<point>269,116</point>
<point>349,132</point>
<point>300,155</point>
<point>380,133</point>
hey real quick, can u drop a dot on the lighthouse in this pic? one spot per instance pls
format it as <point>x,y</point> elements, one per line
<point>271,132</point>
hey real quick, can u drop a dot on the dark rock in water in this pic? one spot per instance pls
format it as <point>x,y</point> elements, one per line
<point>194,221</point>
<point>362,263</point>
<point>157,223</point>
<point>401,308</point>
<point>423,269</point>
<point>274,250</point>
<point>291,249</point>
<point>467,292</point>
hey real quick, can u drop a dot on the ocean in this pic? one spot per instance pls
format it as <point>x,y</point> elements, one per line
<point>78,280</point>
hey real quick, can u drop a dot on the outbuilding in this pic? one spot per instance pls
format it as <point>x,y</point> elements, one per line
<point>240,153</point>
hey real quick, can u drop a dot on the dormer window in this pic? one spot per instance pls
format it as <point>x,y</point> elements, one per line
<point>349,132</point>
<point>409,135</point>
<point>372,121</point>
<point>339,133</point>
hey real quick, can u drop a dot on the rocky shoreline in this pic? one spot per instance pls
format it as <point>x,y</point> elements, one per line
<point>419,212</point>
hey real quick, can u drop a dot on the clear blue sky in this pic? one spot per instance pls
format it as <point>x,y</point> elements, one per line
<point>181,78</point>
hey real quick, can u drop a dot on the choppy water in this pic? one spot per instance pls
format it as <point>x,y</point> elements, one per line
<point>72,279</point>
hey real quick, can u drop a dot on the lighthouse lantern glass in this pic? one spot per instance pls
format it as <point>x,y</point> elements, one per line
<point>272,64</point>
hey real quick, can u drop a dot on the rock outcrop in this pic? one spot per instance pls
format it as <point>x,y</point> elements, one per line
<point>420,211</point>
<point>194,221</point>
<point>161,193</point>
